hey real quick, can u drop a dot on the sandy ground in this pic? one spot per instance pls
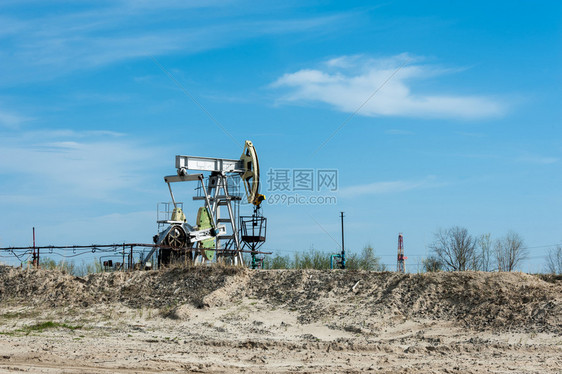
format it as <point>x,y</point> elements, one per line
<point>236,320</point>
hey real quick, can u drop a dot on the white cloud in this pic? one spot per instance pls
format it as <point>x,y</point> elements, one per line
<point>68,164</point>
<point>51,44</point>
<point>12,120</point>
<point>347,82</point>
<point>378,188</point>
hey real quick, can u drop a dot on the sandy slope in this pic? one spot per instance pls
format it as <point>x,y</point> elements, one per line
<point>231,320</point>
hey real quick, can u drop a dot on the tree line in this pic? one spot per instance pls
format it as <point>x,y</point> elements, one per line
<point>454,249</point>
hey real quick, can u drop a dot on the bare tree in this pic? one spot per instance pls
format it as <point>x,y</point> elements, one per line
<point>485,244</point>
<point>455,249</point>
<point>554,260</point>
<point>509,251</point>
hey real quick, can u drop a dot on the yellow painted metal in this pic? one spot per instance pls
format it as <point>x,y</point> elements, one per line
<point>251,176</point>
<point>178,215</point>
<point>204,222</point>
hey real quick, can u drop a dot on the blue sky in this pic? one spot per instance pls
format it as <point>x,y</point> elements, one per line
<point>433,114</point>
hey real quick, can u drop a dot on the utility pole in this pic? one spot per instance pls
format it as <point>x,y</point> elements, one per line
<point>401,266</point>
<point>342,244</point>
<point>35,258</point>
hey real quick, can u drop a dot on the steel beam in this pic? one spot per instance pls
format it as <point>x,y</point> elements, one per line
<point>221,165</point>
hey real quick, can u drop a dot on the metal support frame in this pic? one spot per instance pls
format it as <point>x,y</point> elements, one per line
<point>217,195</point>
<point>253,231</point>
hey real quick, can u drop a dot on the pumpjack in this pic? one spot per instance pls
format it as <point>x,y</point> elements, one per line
<point>215,234</point>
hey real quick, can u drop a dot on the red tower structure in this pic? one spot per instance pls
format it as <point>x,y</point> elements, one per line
<point>400,265</point>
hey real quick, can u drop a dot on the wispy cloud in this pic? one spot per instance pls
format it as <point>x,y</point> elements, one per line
<point>12,120</point>
<point>94,165</point>
<point>346,82</point>
<point>105,229</point>
<point>99,34</point>
<point>537,159</point>
<point>513,156</point>
<point>379,188</point>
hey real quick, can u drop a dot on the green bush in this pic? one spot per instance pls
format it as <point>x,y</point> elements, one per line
<point>366,260</point>
<point>70,267</point>
<point>315,259</point>
<point>431,264</point>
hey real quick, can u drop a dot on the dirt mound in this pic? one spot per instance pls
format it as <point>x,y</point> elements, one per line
<point>505,301</point>
<point>341,299</point>
<point>156,289</point>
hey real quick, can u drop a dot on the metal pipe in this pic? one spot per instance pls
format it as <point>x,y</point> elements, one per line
<point>172,195</point>
<point>98,246</point>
